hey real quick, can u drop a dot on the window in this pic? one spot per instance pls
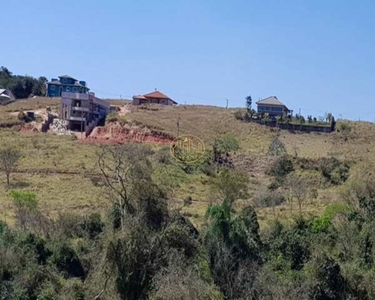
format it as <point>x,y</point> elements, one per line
<point>68,89</point>
<point>53,87</point>
<point>74,89</point>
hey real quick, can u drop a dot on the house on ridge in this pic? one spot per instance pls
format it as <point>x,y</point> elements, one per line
<point>273,106</point>
<point>65,83</point>
<point>156,97</point>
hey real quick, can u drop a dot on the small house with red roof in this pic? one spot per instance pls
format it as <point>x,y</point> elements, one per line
<point>156,97</point>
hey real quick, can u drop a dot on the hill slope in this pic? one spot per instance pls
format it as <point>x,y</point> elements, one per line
<point>62,171</point>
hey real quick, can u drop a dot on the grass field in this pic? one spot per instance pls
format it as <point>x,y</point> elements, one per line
<point>58,168</point>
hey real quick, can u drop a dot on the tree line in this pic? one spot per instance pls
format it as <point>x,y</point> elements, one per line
<point>22,86</point>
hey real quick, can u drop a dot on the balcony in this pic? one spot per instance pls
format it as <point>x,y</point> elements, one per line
<point>80,119</point>
<point>80,108</point>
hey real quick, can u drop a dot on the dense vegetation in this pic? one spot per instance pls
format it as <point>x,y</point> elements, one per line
<point>22,86</point>
<point>145,248</point>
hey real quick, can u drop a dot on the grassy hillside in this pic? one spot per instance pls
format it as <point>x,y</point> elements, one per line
<point>62,171</point>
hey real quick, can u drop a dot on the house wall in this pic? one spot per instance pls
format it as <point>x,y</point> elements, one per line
<point>60,88</point>
<point>273,110</point>
<point>57,87</point>
<point>152,101</point>
<point>91,108</point>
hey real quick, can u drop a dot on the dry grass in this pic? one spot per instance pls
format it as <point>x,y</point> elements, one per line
<point>56,193</point>
<point>60,192</point>
<point>206,122</point>
<point>8,113</point>
<point>118,102</point>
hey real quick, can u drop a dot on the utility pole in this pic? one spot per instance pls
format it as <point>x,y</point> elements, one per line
<point>83,115</point>
<point>227,103</point>
<point>178,125</point>
<point>81,123</point>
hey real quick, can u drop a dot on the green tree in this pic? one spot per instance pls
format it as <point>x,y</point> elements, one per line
<point>8,162</point>
<point>281,168</point>
<point>233,245</point>
<point>22,86</point>
<point>249,103</point>
<point>326,278</point>
<point>125,168</point>
<point>230,185</point>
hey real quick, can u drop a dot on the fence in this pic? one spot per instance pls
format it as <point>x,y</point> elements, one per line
<point>297,127</point>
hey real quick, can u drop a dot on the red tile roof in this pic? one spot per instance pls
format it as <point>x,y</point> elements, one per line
<point>140,97</point>
<point>157,94</point>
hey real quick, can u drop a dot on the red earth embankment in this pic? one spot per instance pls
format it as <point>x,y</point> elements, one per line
<point>116,133</point>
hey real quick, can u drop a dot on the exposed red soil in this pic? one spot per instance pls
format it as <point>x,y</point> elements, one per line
<point>29,127</point>
<point>115,133</point>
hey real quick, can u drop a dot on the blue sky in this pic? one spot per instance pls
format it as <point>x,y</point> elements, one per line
<point>314,55</point>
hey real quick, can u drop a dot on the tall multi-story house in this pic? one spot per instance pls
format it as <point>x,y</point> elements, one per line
<point>82,112</point>
<point>65,83</point>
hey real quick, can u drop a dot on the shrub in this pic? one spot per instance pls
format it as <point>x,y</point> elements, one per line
<point>344,128</point>
<point>92,225</point>
<point>188,169</point>
<point>239,115</point>
<point>281,167</point>
<point>326,279</point>
<point>163,156</point>
<point>66,260</point>
<point>335,171</point>
<point>323,222</point>
<point>36,244</point>
<point>277,148</point>
<point>68,226</point>
<point>188,201</point>
<point>268,199</point>
<point>230,185</point>
<point>24,200</point>
<point>111,117</point>
<point>227,143</point>
<point>209,167</point>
